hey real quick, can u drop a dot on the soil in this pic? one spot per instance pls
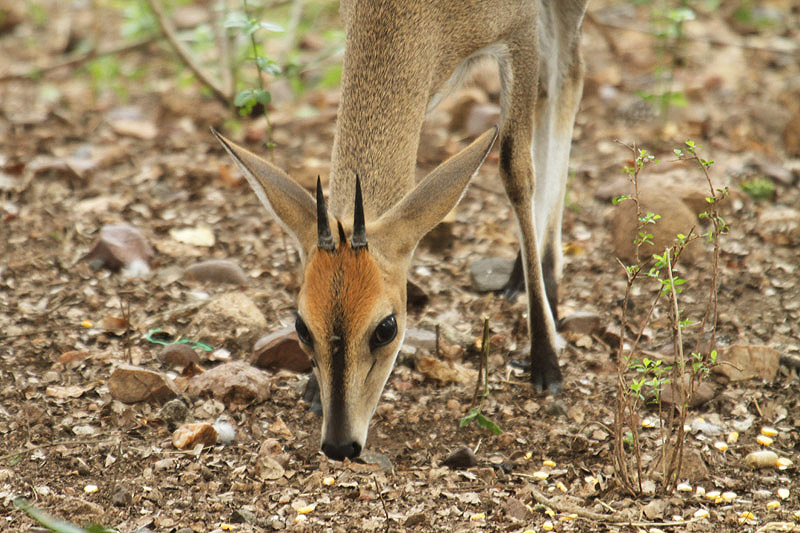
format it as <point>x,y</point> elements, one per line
<point>79,151</point>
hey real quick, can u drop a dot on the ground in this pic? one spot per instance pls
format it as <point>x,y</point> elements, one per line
<point>79,151</point>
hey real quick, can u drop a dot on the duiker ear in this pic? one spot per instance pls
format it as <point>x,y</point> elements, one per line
<point>397,232</point>
<point>289,203</point>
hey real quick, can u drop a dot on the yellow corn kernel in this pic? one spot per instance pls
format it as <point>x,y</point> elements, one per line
<point>568,517</point>
<point>560,486</point>
<point>300,518</point>
<point>548,462</point>
<point>547,526</point>
<point>769,431</point>
<point>89,489</point>
<point>728,496</point>
<point>226,527</point>
<point>721,445</point>
<point>528,456</point>
<point>746,515</point>
<point>783,493</point>
<point>764,440</point>
<point>700,492</point>
<point>477,517</point>
<point>712,495</point>
<point>733,437</point>
<point>773,505</point>
<point>684,487</point>
<point>328,481</point>
<point>539,474</point>
<point>306,509</point>
<point>86,324</point>
<point>783,463</point>
<point>701,513</point>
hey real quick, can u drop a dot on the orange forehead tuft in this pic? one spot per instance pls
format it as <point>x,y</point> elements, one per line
<point>345,283</point>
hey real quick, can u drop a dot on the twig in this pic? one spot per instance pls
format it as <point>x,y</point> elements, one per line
<point>70,442</point>
<point>94,53</point>
<point>713,42</point>
<point>185,54</point>
<point>383,502</point>
<point>564,507</point>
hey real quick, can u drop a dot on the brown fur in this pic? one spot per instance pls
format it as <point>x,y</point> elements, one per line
<point>344,281</point>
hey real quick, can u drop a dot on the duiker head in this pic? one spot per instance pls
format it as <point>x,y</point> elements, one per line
<point>351,310</point>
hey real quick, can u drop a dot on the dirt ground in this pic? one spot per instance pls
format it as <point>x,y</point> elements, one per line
<point>77,154</point>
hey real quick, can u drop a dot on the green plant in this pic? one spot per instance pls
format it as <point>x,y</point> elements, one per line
<point>650,376</point>
<point>474,412</point>
<point>759,188</point>
<point>54,524</point>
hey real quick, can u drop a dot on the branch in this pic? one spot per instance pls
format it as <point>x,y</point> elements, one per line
<point>79,59</point>
<point>184,53</point>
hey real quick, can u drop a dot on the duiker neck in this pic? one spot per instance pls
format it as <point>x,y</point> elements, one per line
<point>386,82</point>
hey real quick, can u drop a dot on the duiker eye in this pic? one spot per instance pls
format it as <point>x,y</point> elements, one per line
<point>302,332</point>
<point>384,333</point>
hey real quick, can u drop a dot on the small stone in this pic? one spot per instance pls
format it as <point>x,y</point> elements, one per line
<point>517,510</point>
<point>196,236</point>
<point>232,382</point>
<point>231,320</point>
<point>676,217</point>
<point>243,516</point>
<point>217,271</point>
<point>131,384</point>
<point>581,322</point>
<point>190,435</point>
<point>280,349</point>
<point>742,362</point>
<point>121,246</point>
<point>461,459</point>
<point>121,497</point>
<point>480,118</point>
<point>416,519</point>
<point>174,412</point>
<point>178,354</point>
<point>370,457</point>
<point>556,407</point>
<point>703,393</point>
<point>779,225</point>
<point>490,274</point>
<point>655,509</point>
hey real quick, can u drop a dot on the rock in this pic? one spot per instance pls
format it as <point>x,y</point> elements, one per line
<point>517,510</point>
<point>229,319</point>
<point>490,274</point>
<point>761,459</point>
<point>742,362</point>
<point>416,298</point>
<point>197,236</point>
<point>445,371</point>
<point>121,497</point>
<point>655,509</point>
<point>268,461</point>
<point>461,459</point>
<point>121,246</point>
<point>676,217</point>
<point>581,322</point>
<point>217,271</point>
<point>131,384</point>
<point>556,408</point>
<point>179,354</point>
<point>480,118</point>
<point>779,225</point>
<point>703,393</point>
<point>174,412</point>
<point>416,519</point>
<point>243,516</point>
<point>232,382</point>
<point>420,338</point>
<point>190,435</point>
<point>370,457</point>
<point>280,349</point>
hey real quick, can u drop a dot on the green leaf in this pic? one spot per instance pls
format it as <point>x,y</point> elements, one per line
<point>469,417</point>
<point>236,19</point>
<point>262,96</point>
<point>485,423</point>
<point>269,26</point>
<point>54,524</point>
<point>621,198</point>
<point>243,97</point>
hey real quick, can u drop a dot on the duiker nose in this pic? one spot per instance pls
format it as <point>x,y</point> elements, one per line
<point>338,451</point>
